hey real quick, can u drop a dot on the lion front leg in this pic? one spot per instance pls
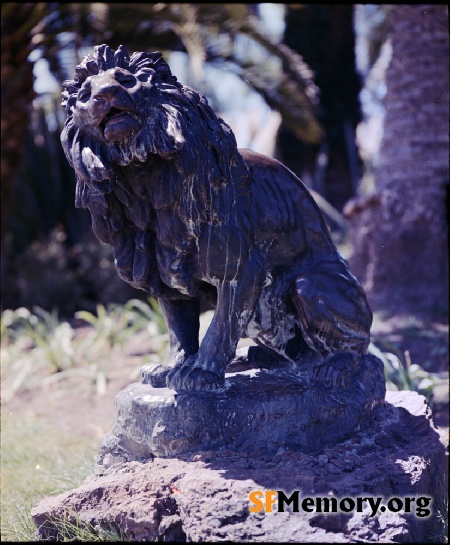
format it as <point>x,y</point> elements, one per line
<point>182,318</point>
<point>206,369</point>
<point>183,323</point>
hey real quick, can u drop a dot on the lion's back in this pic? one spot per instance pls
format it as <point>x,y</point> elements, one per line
<point>284,212</point>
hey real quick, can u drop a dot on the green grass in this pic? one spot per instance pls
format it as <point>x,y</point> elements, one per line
<point>37,461</point>
<point>69,527</point>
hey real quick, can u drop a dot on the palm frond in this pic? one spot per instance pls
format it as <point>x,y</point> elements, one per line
<point>218,34</point>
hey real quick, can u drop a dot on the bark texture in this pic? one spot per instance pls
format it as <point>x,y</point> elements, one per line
<point>400,232</point>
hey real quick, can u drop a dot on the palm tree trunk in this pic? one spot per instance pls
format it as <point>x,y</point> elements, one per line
<point>400,232</point>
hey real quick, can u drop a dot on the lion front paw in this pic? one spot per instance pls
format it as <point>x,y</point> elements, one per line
<point>335,370</point>
<point>187,377</point>
<point>154,374</point>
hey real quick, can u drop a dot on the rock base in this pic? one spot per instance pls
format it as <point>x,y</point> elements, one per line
<point>204,497</point>
<point>259,410</point>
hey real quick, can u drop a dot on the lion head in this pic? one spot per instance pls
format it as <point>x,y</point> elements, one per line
<point>112,106</point>
<point>121,109</point>
<point>127,114</point>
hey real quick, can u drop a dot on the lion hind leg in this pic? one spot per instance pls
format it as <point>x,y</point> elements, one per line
<point>335,320</point>
<point>333,312</point>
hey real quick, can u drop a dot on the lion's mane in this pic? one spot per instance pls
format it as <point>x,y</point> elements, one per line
<point>201,166</point>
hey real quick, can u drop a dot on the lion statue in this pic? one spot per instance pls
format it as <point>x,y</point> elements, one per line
<point>190,218</point>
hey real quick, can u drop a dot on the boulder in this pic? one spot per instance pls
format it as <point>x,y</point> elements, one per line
<point>204,496</point>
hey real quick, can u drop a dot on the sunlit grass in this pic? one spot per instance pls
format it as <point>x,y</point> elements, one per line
<point>37,461</point>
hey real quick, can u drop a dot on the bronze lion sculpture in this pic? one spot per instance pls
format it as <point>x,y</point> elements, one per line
<point>191,217</point>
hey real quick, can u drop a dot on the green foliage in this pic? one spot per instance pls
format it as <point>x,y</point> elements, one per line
<point>226,35</point>
<point>33,343</point>
<point>36,346</point>
<point>19,527</point>
<point>209,33</point>
<point>51,273</point>
<point>401,374</point>
<point>111,327</point>
<point>37,460</point>
<point>147,315</point>
<point>114,324</point>
<point>45,333</point>
<point>41,277</point>
<point>38,341</point>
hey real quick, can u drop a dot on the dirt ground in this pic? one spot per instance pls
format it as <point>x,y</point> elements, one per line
<point>73,405</point>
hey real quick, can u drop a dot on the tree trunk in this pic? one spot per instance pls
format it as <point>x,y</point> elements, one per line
<point>400,232</point>
<point>323,34</point>
<point>16,100</point>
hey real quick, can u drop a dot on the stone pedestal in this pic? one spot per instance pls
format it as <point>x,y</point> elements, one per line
<point>204,497</point>
<point>258,411</point>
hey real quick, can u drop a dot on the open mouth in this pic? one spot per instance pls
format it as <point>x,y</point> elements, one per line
<point>117,124</point>
<point>115,115</point>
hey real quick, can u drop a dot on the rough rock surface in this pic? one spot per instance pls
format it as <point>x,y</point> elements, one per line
<point>259,409</point>
<point>204,497</point>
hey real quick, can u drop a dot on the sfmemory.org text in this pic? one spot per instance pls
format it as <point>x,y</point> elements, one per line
<point>279,501</point>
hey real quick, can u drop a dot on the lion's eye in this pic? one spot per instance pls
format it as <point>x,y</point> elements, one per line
<point>145,74</point>
<point>84,95</point>
<point>126,80</point>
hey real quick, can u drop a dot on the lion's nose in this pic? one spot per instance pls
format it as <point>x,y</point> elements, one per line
<point>106,92</point>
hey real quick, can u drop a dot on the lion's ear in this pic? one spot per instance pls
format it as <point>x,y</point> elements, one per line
<point>163,135</point>
<point>169,142</point>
